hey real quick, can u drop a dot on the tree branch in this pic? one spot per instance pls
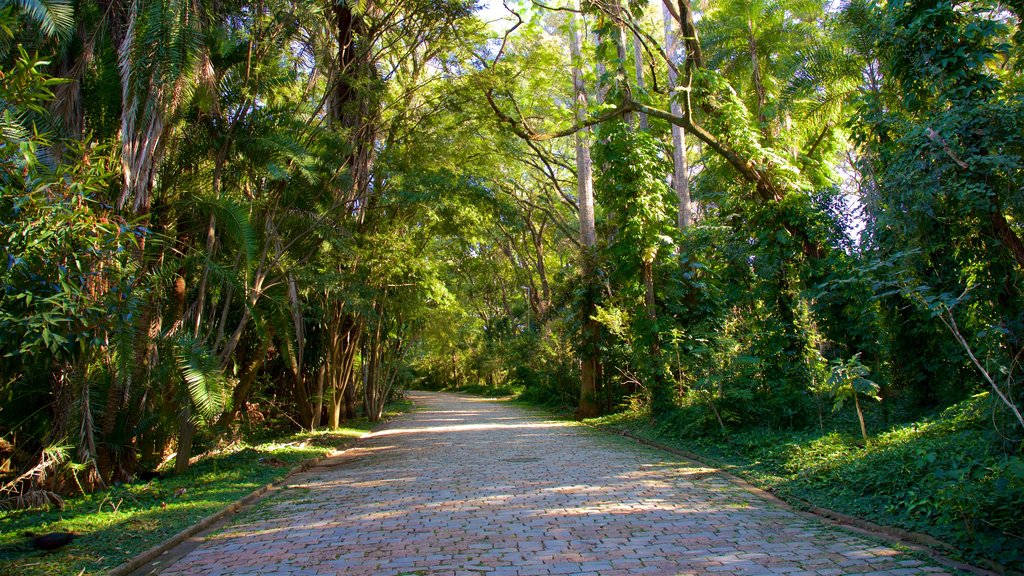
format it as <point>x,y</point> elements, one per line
<point>523,130</point>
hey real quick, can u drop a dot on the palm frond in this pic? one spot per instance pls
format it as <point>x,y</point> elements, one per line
<point>55,18</point>
<point>234,219</point>
<point>207,386</point>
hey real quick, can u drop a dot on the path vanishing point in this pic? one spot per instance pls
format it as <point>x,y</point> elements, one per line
<point>465,486</point>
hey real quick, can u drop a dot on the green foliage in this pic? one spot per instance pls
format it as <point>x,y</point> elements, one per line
<point>59,244</point>
<point>848,378</point>
<point>638,256</point>
<point>310,219</point>
<point>53,17</point>
<point>206,384</point>
<point>946,150</point>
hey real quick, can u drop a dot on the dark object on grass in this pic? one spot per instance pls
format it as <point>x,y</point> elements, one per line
<point>51,541</point>
<point>147,475</point>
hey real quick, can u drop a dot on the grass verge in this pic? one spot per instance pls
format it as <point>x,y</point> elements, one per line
<point>950,476</point>
<point>116,524</point>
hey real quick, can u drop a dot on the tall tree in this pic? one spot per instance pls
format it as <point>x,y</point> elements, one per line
<point>680,165</point>
<point>590,361</point>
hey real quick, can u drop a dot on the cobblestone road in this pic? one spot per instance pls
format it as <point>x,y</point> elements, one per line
<point>465,486</point>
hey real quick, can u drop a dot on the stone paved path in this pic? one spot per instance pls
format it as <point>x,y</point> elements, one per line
<point>464,486</point>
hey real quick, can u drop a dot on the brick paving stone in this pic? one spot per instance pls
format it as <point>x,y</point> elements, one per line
<point>467,487</point>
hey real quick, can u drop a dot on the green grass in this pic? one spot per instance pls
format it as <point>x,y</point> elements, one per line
<point>117,524</point>
<point>951,475</point>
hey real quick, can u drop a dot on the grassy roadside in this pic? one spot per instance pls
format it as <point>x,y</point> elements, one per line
<point>951,476</point>
<point>115,525</point>
<point>948,476</point>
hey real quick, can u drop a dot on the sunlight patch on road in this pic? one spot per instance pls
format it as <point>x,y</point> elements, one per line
<point>465,428</point>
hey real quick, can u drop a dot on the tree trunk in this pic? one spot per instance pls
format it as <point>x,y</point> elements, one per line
<point>619,39</point>
<point>649,301</point>
<point>91,479</point>
<point>680,172</point>
<point>638,63</point>
<point>589,406</point>
<point>349,382</point>
<point>756,79</point>
<point>544,296</point>
<point>860,416</point>
<point>318,398</point>
<point>334,411</point>
<point>343,383</point>
<point>350,398</point>
<point>186,432</point>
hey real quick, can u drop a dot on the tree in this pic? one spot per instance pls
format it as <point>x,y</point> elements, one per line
<point>589,367</point>
<point>942,156</point>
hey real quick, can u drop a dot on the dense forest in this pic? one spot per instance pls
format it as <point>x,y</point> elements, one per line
<point>721,215</point>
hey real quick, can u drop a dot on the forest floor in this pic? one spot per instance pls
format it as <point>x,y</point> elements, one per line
<point>463,485</point>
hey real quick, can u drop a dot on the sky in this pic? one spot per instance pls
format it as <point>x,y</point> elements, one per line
<point>493,10</point>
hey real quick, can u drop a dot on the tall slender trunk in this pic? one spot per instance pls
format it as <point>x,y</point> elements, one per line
<point>345,342</point>
<point>350,395</point>
<point>344,386</point>
<point>307,401</point>
<point>860,417</point>
<point>544,296</point>
<point>661,389</point>
<point>372,358</point>
<point>590,361</point>
<point>619,38</point>
<point>680,169</point>
<point>638,65</point>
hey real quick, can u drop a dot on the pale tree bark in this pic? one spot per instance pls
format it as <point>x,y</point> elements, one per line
<point>584,166</point>
<point>638,64</point>
<point>680,172</point>
<point>149,99</point>
<point>601,90</point>
<point>589,366</point>
<point>619,37</point>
